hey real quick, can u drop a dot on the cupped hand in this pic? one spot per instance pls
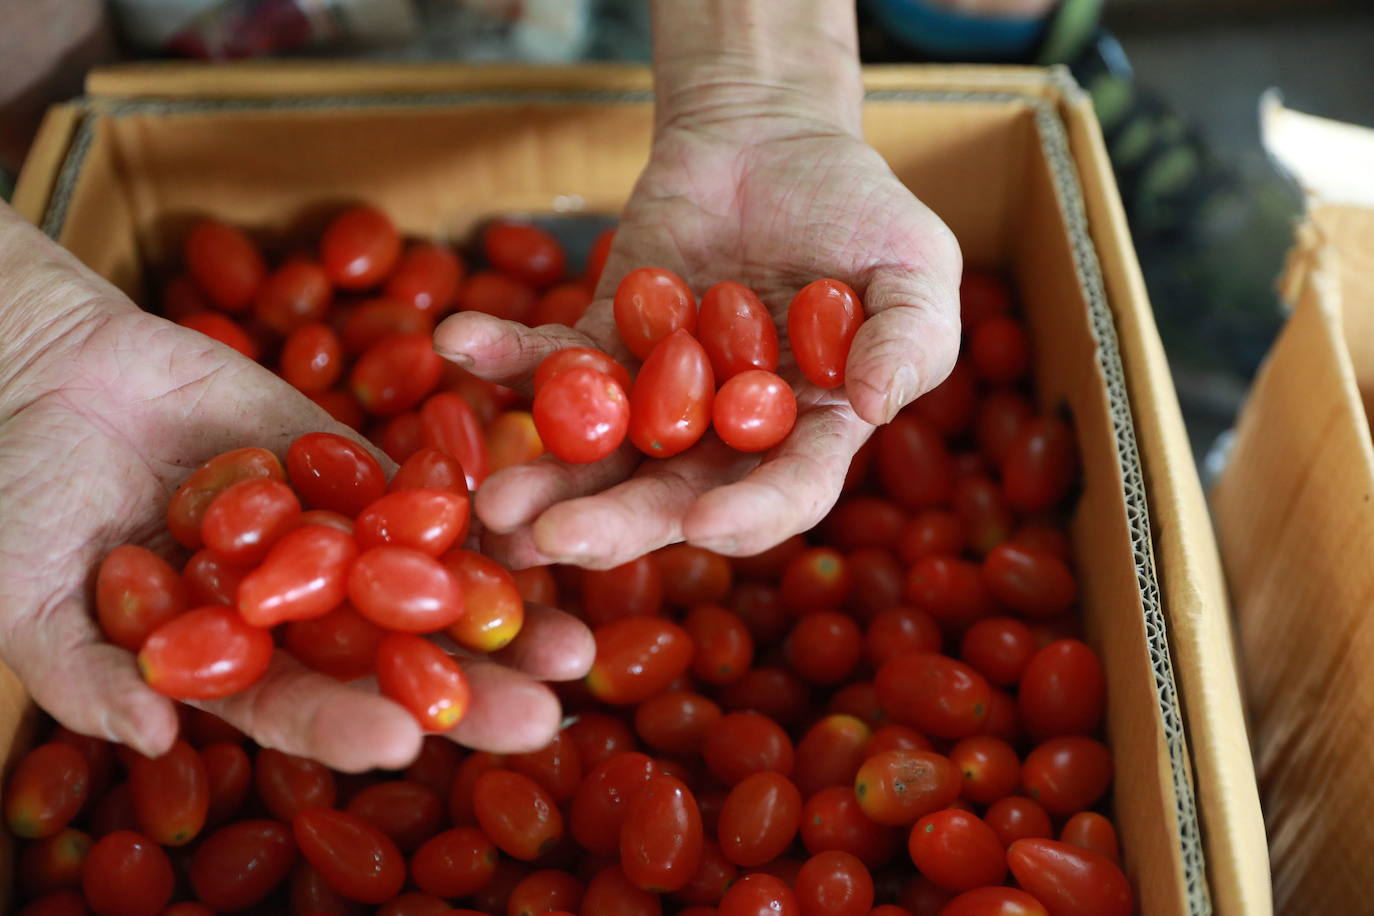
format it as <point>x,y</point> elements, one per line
<point>772,202</point>
<point>104,410</point>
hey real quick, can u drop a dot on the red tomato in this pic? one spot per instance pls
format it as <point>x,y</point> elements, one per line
<point>821,323</point>
<point>1040,465</point>
<point>136,591</point>
<point>982,296</point>
<point>556,767</point>
<point>760,819</point>
<point>430,521</point>
<point>830,753</point>
<point>341,405</point>
<point>357,859</point>
<point>331,472</point>
<point>1001,415</point>
<point>424,679</point>
<point>994,901</point>
<point>127,874</point>
<point>1062,690</point>
<point>517,814</point>
<point>1090,830</point>
<point>57,903</point>
<point>536,585</point>
<point>395,374</point>
<point>563,304</point>
<point>661,838</point>
<point>815,579</point>
<point>693,575</point>
<point>1003,721</point>
<point>493,610</point>
<point>430,468</point>
<point>833,820</point>
<point>228,775</point>
<point>949,589</point>
<point>240,865</point>
<point>985,518</point>
<point>181,299</point>
<point>436,765</point>
<point>544,892</point>
<point>935,694</point>
<point>1044,538</point>
<point>375,319</point>
<point>205,654</point>
<point>999,648</point>
<point>600,802</point>
<point>561,361</point>
<point>342,643</point>
<point>53,863</point>
<point>464,784</point>
<point>403,589</point>
<point>957,851</point>
<point>754,411</point>
<point>650,304</point>
<point>497,294</point>
<point>612,892</point>
<point>599,737</point>
<point>670,402</point>
<point>596,259</point>
<point>495,897</point>
<point>312,358</point>
<point>636,658</point>
<point>723,648</point>
<point>834,884</point>
<point>759,895</point>
<point>713,876</point>
<point>1030,581</point>
<point>736,331</point>
<point>1016,818</point>
<point>990,768</point>
<point>863,521</point>
<point>776,693</point>
<point>1069,880</point>
<point>512,439</point>
<point>359,247</point>
<point>427,277</point>
<point>900,629</point>
<point>897,738</point>
<point>115,811</point>
<point>824,647</point>
<point>416,904</point>
<point>188,504</point>
<point>454,863</point>
<point>308,892</point>
<point>760,607</point>
<point>633,589</point>
<point>676,722</point>
<point>245,520</point>
<point>1068,775</point>
<point>1000,350</point>
<point>171,794</point>
<point>401,436</point>
<point>223,329</point>
<point>890,909</point>
<point>224,263</point>
<point>581,415</point>
<point>949,405</point>
<point>288,784</point>
<point>293,295</point>
<point>524,251</point>
<point>878,582</point>
<point>914,466</point>
<point>770,563</point>
<point>900,787</point>
<point>304,576</point>
<point>744,743</point>
<point>451,426</point>
<point>934,532</point>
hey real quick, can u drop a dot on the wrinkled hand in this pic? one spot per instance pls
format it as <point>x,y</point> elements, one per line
<point>773,203</point>
<point>104,410</point>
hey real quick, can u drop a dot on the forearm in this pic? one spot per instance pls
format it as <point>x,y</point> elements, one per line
<point>723,59</point>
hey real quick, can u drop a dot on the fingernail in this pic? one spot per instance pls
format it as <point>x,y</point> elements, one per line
<point>462,360</point>
<point>902,392</point>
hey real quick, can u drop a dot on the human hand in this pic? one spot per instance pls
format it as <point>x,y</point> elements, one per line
<point>104,410</point>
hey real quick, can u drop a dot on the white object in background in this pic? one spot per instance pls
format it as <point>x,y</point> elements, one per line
<point>1333,162</point>
<point>552,30</point>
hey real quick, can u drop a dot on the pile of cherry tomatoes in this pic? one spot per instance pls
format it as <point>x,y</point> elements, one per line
<point>893,715</point>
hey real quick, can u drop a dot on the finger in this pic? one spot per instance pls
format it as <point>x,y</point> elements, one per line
<point>788,493</point>
<point>515,550</point>
<point>303,712</point>
<point>514,497</point>
<point>510,712</point>
<point>501,351</point>
<point>639,515</point>
<point>552,646</point>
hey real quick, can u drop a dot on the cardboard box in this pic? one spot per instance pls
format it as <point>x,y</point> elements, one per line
<point>1295,521</point>
<point>1011,159</point>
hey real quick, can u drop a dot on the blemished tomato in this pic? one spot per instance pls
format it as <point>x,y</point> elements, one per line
<point>497,294</point>
<point>1069,880</point>
<point>331,472</point>
<point>821,323</point>
<point>776,693</point>
<point>636,658</point>
<point>568,358</point>
<point>987,521</point>
<point>524,251</point>
<point>931,533</point>
<point>205,654</point>
<point>54,862</point>
<point>245,520</point>
<point>957,851</point>
<point>863,521</point>
<point>994,901</point>
<point>424,679</point>
<point>633,589</point>
<point>171,794</point>
<point>989,766</point>
<point>242,864</point>
<point>1001,415</point>
<point>304,575</point>
<point>511,439</point>
<point>563,304</point>
<point>914,467</point>
<point>454,863</point>
<point>612,892</point>
<point>341,405</point>
<point>368,322</point>
<point>999,648</point>
<point>1040,465</point>
<point>516,814</point>
<point>430,468</point>
<point>312,358</point>
<point>493,609</point>
<point>430,521</point>
<point>675,722</point>
<point>1063,690</point>
<point>295,294</point>
<point>897,738</point>
<point>136,591</point>
<point>426,277</point>
<point>187,507</point>
<point>934,694</point>
<point>900,629</point>
<point>228,775</point>
<point>46,790</point>
<point>1029,581</point>
<point>759,894</point>
<point>830,753</point>
<point>395,374</point>
<point>833,820</point>
<point>650,304</point>
<point>544,892</point>
<point>556,766</point>
<point>754,410</point>
<point>127,874</point>
<point>600,803</point>
<point>224,329</point>
<point>760,819</point>
<point>670,401</point>
<point>744,743</point>
<point>824,647</point>
<point>1018,818</point>
<point>949,589</point>
<point>661,838</point>
<point>288,785</point>
<point>900,787</point>
<point>357,859</point>
<point>999,349</point>
<point>737,331</point>
<point>722,646</point>
<point>1067,775</point>
<point>403,589</point>
<point>582,415</point>
<point>1090,830</point>
<point>815,579</point>
<point>224,263</point>
<point>834,883</point>
<point>342,643</point>
<point>949,405</point>
<point>359,248</point>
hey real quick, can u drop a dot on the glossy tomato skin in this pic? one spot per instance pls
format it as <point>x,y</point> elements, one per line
<point>512,439</point>
<point>171,794</point>
<point>932,532</point>
<point>950,590</point>
<point>693,575</point>
<point>53,863</point>
<point>994,901</point>
<point>776,693</point>
<point>563,304</point>
<point>987,521</point>
<point>754,410</point>
<point>821,323</point>
<point>636,658</point>
<point>900,629</point>
<point>632,589</point>
<point>824,647</point>
<point>127,874</point>
<point>288,785</point>
<point>833,820</point>
<point>359,248</point>
<point>46,790</point>
<point>676,722</point>
<point>896,738</point>
<point>878,581</point>
<point>914,467</point>
<point>229,774</point>
<point>454,863</point>
<point>295,294</point>
<point>722,646</point>
<point>368,322</point>
<point>1090,830</point>
<point>544,892</point>
<point>830,753</point>
<point>395,374</point>
<point>424,679</point>
<point>308,892</point>
<point>1068,774</point>
<point>1069,880</point>
<point>431,521</point>
<point>661,838</point>
<point>357,859</point>
<point>404,590</point>
<point>1030,581</point>
<point>245,520</point>
<point>737,331</point>
<point>136,591</point>
<point>759,894</point>
<point>426,277</point>
<point>187,507</point>
<point>1040,466</point>
<point>1063,690</point>
<point>899,787</point>
<point>224,263</point>
<point>610,891</point>
<point>450,424</point>
<point>463,787</point>
<point>304,576</point>
<point>204,654</point>
<point>497,294</point>
<point>834,884</point>
<point>670,401</point>
<point>493,610</point>
<point>242,864</point>
<point>1017,818</point>
<point>517,814</point>
<point>331,472</point>
<point>601,801</point>
<point>560,361</point>
<point>342,643</point>
<point>525,251</point>
<point>934,694</point>
<point>582,415</point>
<point>537,585</point>
<point>557,767</point>
<point>744,743</point>
<point>342,406</point>
<point>999,648</point>
<point>312,358</point>
<point>957,851</point>
<point>816,579</point>
<point>760,819</point>
<point>650,304</point>
<point>430,468</point>
<point>990,768</point>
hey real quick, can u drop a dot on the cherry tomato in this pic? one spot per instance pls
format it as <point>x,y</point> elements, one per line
<point>288,784</point>
<point>464,785</point>
<point>435,767</point>
<point>990,768</point>
<point>833,820</point>
<point>982,296</point>
<point>723,648</point>
<point>650,304</point>
<point>342,643</point>
<point>1017,818</point>
<point>1003,721</point>
<point>331,472</point>
<point>744,743</point>
<point>599,737</point>
<point>857,522</point>
<point>596,258</point>
<point>693,575</point>
<point>776,693</point>
<point>760,608</point>
<point>1090,830</point>
<point>661,837</point>
<point>957,851</point>
<point>759,895</point>
<point>375,319</point>
<point>999,648</point>
<point>754,410</point>
<point>633,589</point>
<point>497,294</point>
<point>240,865</point>
<point>1067,775</point>
<point>601,800</point>
<point>187,507</point>
<point>228,775</point>
<point>561,361</point>
<point>430,521</point>
<point>821,323</point>
<point>817,578</point>
<point>245,520</point>
<point>136,591</point>
<point>760,819</point>
<point>454,863</point>
<point>495,897</point>
<point>359,247</point>
<point>224,263</point>
<point>341,405</point>
<point>544,892</point>
<point>450,425</point>
<point>824,647</point>
<point>934,694</point>
<point>205,654</point>
<point>293,295</point>
<point>900,629</point>
<point>127,874</point>
<point>670,401</point>
<point>511,439</point>
<point>494,610</point>
<point>524,251</point>
<point>878,582</point>
<point>304,576</point>
<point>223,329</point>
<point>181,299</point>
<point>1069,880</point>
<point>1062,690</point>
<point>1030,581</point>
<point>312,358</point>
<point>556,766</point>
<point>407,812</point>
<point>517,814</point>
<point>770,564</point>
<point>636,658</point>
<point>899,787</point>
<point>171,794</point>
<point>897,738</point>
<point>1040,465</point>
<point>563,304</point>
<point>1001,416</point>
<point>1000,350</point>
<point>830,753</point>
<point>834,883</point>
<point>914,466</point>
<point>675,722</point>
<point>994,901</point>
<point>403,589</point>
<point>987,521</point>
<point>950,590</point>
<point>417,904</point>
<point>54,862</point>
<point>426,277</point>
<point>737,331</point>
<point>933,532</point>
<point>308,892</point>
<point>581,415</point>
<point>395,374</point>
<point>115,811</point>
<point>424,679</point>
<point>357,859</point>
<point>949,406</point>
<point>612,892</point>
<point>430,468</point>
